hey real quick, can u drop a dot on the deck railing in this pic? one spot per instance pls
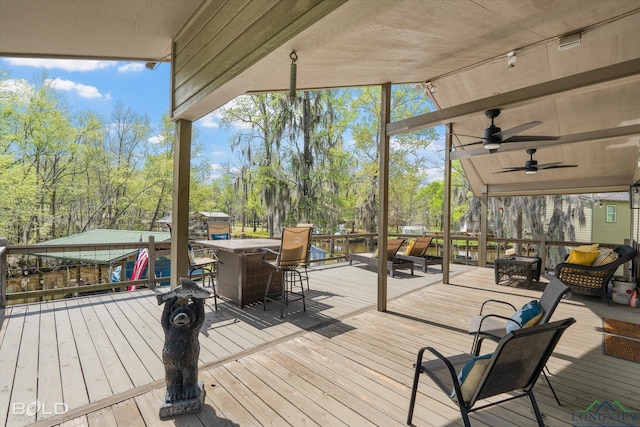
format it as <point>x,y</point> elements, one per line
<point>464,249</point>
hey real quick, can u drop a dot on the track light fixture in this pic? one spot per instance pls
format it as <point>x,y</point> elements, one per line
<point>511,59</point>
<point>427,88</point>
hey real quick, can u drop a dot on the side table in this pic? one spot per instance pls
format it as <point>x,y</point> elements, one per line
<point>520,269</point>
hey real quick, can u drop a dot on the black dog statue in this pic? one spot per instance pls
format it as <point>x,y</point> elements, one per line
<point>182,318</point>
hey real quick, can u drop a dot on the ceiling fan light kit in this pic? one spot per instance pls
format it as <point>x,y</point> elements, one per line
<point>493,137</point>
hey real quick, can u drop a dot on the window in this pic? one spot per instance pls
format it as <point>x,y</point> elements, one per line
<point>611,213</point>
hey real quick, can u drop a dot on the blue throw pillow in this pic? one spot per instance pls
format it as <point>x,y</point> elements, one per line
<point>528,315</point>
<point>470,376</point>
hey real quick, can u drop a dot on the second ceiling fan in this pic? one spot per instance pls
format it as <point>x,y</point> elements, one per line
<point>531,166</point>
<point>493,137</point>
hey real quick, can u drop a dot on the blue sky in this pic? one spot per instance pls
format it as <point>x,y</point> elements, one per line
<point>98,85</point>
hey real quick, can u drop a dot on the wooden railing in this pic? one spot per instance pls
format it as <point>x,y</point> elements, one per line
<point>102,283</point>
<point>464,250</point>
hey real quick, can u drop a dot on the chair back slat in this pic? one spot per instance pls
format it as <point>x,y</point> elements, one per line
<point>519,359</point>
<point>420,246</point>
<point>392,247</point>
<point>294,246</point>
<point>553,293</point>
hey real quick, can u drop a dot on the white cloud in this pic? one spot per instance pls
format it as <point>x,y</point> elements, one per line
<point>131,67</point>
<point>156,139</point>
<point>216,170</point>
<point>61,64</point>
<point>83,91</point>
<point>211,120</point>
<point>15,86</point>
<point>433,174</point>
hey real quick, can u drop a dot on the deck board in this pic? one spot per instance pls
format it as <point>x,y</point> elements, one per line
<point>26,370</point>
<point>49,385</point>
<point>11,342</point>
<point>339,363</point>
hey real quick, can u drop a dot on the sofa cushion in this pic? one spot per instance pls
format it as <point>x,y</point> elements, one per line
<point>582,258</point>
<point>587,248</point>
<point>606,256</point>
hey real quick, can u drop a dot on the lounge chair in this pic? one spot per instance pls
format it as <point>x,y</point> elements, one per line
<point>418,254</point>
<point>514,367</point>
<point>593,280</point>
<point>393,263</point>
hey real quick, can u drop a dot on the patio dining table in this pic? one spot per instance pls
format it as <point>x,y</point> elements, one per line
<point>242,276</point>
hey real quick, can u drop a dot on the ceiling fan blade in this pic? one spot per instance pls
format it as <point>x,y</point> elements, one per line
<point>548,165</point>
<point>551,166</point>
<point>511,170</point>
<point>525,138</point>
<point>471,143</point>
<point>506,134</point>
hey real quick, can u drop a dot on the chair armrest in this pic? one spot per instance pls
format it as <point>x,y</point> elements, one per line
<point>499,302</point>
<point>266,251</point>
<point>452,371</point>
<point>488,331</point>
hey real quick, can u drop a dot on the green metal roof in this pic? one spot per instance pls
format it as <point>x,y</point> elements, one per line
<point>102,236</point>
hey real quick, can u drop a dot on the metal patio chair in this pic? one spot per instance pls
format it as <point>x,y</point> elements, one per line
<point>294,251</point>
<point>514,367</point>
<point>493,326</point>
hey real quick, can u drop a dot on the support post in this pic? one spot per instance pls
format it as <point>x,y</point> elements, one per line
<point>482,240</point>
<point>383,194</point>
<point>4,268</point>
<point>446,220</point>
<point>151,268</point>
<point>180,209</point>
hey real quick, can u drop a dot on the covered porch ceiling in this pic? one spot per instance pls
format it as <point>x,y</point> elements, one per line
<point>587,95</point>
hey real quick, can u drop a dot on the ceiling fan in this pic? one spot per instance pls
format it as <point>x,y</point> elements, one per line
<point>493,137</point>
<point>532,167</point>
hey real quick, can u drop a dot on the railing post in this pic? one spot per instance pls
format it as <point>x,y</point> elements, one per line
<point>151,270</point>
<point>543,253</point>
<point>4,268</point>
<point>346,249</point>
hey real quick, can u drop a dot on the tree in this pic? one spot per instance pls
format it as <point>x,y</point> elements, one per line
<point>406,154</point>
<point>291,153</point>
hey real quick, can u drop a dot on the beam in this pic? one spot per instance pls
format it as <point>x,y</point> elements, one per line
<point>514,98</point>
<point>597,135</point>
<point>599,184</point>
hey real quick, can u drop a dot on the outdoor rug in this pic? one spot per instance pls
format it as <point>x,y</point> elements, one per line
<point>621,339</point>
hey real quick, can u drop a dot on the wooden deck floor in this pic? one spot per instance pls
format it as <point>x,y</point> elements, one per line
<point>340,363</point>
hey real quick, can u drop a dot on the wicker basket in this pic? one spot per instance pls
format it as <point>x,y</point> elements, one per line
<point>624,348</point>
<point>619,327</point>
